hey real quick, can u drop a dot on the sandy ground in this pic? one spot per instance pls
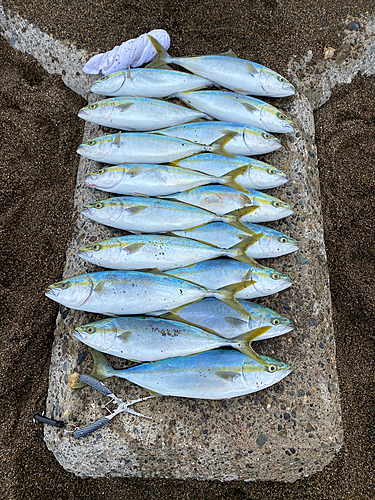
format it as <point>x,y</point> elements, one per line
<point>40,131</point>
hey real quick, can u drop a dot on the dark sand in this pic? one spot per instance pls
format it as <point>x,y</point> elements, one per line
<point>39,135</point>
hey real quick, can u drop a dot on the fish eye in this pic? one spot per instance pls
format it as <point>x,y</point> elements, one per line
<point>275,276</point>
<point>98,205</point>
<point>283,239</point>
<point>281,79</point>
<point>271,368</point>
<point>91,143</point>
<point>271,171</point>
<point>275,321</point>
<point>266,136</point>
<point>104,78</point>
<point>64,286</point>
<point>101,171</point>
<point>276,204</point>
<point>93,106</point>
<point>96,247</point>
<point>90,329</point>
<point>281,116</point>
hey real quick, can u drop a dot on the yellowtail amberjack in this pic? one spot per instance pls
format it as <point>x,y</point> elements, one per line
<point>148,82</point>
<point>138,147</point>
<point>138,113</point>
<point>216,374</point>
<point>215,316</point>
<point>154,215</point>
<point>229,71</point>
<point>271,243</point>
<point>223,199</point>
<point>247,140</point>
<point>133,292</point>
<point>223,272</point>
<point>157,180</point>
<point>160,252</point>
<point>141,338</point>
<point>229,106</point>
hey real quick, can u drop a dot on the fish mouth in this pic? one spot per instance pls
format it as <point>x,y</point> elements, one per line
<point>288,88</point>
<point>51,293</point>
<point>78,334</point>
<point>82,113</point>
<point>288,126</point>
<point>274,144</point>
<point>85,254</point>
<point>82,149</point>
<point>89,212</point>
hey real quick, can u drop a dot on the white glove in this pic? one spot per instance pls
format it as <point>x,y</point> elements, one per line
<point>134,53</point>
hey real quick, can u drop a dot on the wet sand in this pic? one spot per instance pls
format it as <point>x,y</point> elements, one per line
<point>40,132</point>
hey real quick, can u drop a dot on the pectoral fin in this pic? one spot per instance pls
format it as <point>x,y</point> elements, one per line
<point>249,106</point>
<point>117,140</point>
<point>134,247</point>
<point>228,376</point>
<point>125,336</point>
<point>135,210</point>
<point>235,322</point>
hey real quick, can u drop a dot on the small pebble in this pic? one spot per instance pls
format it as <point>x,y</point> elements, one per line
<point>354,26</point>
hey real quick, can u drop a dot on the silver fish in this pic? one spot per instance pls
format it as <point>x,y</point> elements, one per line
<point>213,315</point>
<point>271,244</point>
<point>223,199</point>
<point>159,252</point>
<point>148,82</point>
<point>133,292</point>
<point>229,106</point>
<point>141,338</point>
<point>154,215</point>
<point>216,374</point>
<point>223,272</point>
<point>156,180</point>
<point>228,71</point>
<point>259,175</point>
<point>138,147</point>
<point>247,140</point>
<point>138,114</point>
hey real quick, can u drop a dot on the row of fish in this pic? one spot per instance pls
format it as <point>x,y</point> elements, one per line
<point>207,204</point>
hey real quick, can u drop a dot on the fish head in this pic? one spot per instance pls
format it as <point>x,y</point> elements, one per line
<point>97,149</point>
<point>274,120</point>
<point>97,111</point>
<point>104,254</point>
<point>109,84</point>
<point>275,244</point>
<point>104,211</point>
<point>275,85</point>
<point>264,375</point>
<point>271,208</point>
<point>106,178</point>
<point>263,176</point>
<point>101,335</point>
<point>259,142</point>
<point>269,281</point>
<point>72,292</point>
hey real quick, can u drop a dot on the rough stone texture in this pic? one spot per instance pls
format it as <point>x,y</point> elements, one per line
<point>288,431</point>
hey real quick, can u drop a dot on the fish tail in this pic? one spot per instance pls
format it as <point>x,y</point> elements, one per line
<point>102,368</point>
<point>162,57</point>
<point>238,252</point>
<point>229,179</point>
<point>242,343</point>
<point>218,145</point>
<point>227,295</point>
<point>233,218</point>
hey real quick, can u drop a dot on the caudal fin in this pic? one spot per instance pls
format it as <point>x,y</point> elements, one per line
<point>233,218</point>
<point>229,179</point>
<point>217,147</point>
<point>243,343</point>
<point>227,295</point>
<point>162,58</point>
<point>102,368</point>
<point>238,252</point>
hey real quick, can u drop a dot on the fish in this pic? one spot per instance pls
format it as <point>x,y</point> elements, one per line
<point>259,175</point>
<point>229,106</point>
<point>155,215</point>
<point>148,82</point>
<point>215,316</point>
<point>141,338</point>
<point>271,244</point>
<point>137,252</point>
<point>138,113</point>
<point>218,273</point>
<point>143,147</point>
<point>156,180</point>
<point>223,199</point>
<point>229,71</point>
<point>133,292</point>
<point>216,374</point>
<point>246,141</point>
